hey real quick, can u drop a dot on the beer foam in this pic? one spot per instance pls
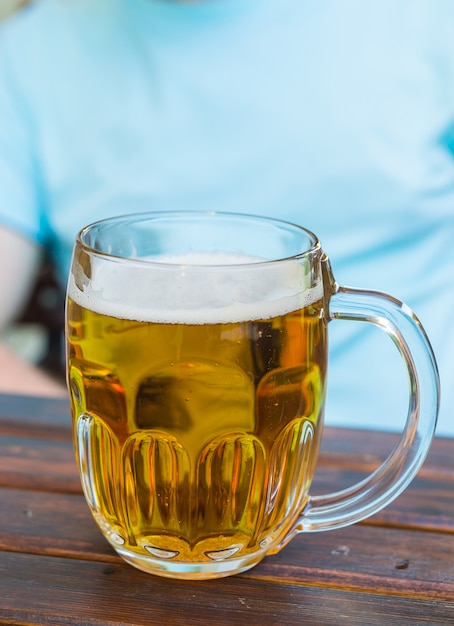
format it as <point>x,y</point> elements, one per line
<point>196,288</point>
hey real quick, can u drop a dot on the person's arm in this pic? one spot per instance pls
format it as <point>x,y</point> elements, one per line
<point>20,208</point>
<point>19,259</point>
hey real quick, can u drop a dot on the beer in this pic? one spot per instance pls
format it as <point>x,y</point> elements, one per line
<point>196,429</point>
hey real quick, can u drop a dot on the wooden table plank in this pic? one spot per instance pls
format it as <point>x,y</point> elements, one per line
<point>56,568</point>
<point>36,416</point>
<point>39,463</point>
<point>50,417</point>
<point>50,465</point>
<point>352,557</point>
<point>67,591</point>
<point>51,523</point>
<point>427,503</point>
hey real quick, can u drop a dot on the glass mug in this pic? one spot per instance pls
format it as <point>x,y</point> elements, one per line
<point>197,361</point>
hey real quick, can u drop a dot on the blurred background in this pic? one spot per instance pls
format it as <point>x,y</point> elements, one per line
<point>8,6</point>
<point>38,334</point>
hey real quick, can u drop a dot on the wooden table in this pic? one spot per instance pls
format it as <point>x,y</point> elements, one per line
<point>56,568</point>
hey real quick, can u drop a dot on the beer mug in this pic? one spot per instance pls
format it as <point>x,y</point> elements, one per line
<point>197,368</point>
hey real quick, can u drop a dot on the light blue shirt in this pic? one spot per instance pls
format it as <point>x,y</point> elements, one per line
<point>337,115</point>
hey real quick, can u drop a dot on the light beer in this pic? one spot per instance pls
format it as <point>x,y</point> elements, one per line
<point>196,429</point>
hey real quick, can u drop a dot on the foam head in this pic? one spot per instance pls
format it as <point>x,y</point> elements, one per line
<point>196,288</point>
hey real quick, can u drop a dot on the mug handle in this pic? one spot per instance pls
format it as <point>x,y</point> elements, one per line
<point>368,496</point>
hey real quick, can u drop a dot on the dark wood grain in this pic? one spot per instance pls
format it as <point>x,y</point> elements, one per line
<point>38,463</point>
<point>40,417</point>
<point>56,567</point>
<point>61,525</point>
<point>41,589</point>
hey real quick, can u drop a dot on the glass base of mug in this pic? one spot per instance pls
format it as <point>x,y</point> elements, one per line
<point>190,571</point>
